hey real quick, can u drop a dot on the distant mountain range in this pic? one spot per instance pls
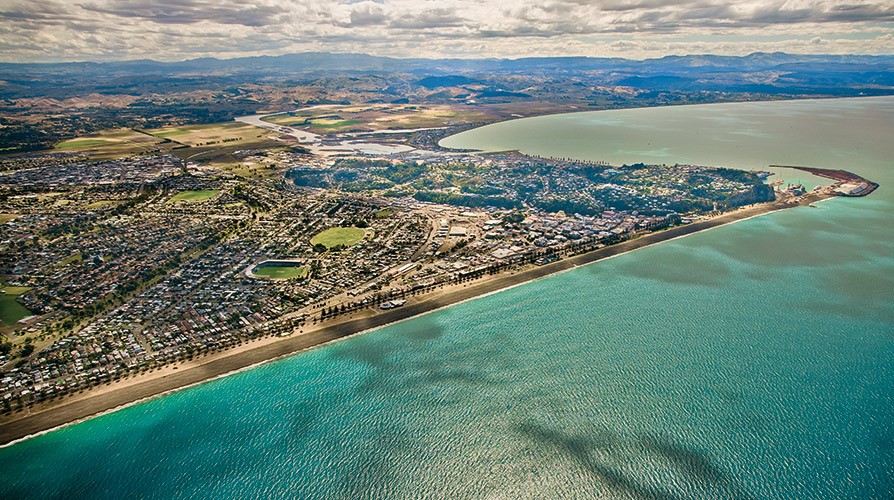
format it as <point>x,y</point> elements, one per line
<point>323,62</point>
<point>758,72</point>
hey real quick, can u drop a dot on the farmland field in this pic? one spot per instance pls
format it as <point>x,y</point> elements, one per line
<point>374,117</point>
<point>333,123</point>
<point>113,143</point>
<point>223,134</point>
<point>82,143</point>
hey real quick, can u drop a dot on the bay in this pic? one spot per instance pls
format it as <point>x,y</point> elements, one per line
<point>755,360</point>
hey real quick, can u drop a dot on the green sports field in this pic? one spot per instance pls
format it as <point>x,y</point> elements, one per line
<point>10,309</point>
<point>194,196</point>
<point>281,272</point>
<point>335,236</point>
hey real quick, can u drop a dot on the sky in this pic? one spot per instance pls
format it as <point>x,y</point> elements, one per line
<point>171,30</point>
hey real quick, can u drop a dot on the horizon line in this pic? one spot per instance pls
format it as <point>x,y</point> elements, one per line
<point>286,54</point>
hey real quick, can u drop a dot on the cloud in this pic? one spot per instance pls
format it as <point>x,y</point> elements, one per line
<point>367,14</point>
<point>179,29</point>
<point>188,11</point>
<point>429,19</point>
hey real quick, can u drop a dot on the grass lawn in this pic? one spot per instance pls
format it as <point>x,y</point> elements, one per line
<point>82,143</point>
<point>332,237</point>
<point>15,290</point>
<point>257,171</point>
<point>281,272</point>
<point>194,196</point>
<point>71,259</point>
<point>10,310</point>
<point>100,204</point>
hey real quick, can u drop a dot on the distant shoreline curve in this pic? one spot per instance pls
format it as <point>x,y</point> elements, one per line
<point>647,107</point>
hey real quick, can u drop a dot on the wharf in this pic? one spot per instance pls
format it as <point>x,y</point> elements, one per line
<point>847,183</point>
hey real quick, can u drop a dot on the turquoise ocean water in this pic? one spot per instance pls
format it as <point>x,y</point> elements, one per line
<point>751,361</point>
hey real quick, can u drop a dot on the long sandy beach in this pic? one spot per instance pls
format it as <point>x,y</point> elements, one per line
<point>47,416</point>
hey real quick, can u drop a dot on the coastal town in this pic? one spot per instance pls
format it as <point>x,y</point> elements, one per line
<point>447,249</point>
<point>119,267</point>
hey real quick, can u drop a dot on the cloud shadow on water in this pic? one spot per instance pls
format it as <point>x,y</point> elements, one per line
<point>705,477</point>
<point>675,266</point>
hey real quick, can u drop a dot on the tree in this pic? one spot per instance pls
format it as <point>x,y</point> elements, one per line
<point>27,349</point>
<point>513,218</point>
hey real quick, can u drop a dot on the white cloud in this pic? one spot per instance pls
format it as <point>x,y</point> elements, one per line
<point>179,29</point>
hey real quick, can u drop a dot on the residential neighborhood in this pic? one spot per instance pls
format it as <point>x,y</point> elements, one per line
<point>134,263</point>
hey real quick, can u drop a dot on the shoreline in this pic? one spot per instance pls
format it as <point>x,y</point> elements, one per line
<point>101,400</point>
